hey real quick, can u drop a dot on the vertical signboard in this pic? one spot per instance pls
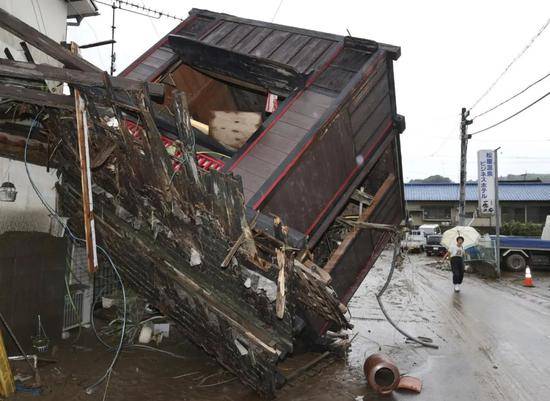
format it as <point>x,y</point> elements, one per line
<point>486,182</point>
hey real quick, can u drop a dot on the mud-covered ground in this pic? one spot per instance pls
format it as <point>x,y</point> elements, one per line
<point>494,339</point>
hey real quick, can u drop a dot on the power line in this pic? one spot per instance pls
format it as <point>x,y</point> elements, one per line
<point>513,96</point>
<point>512,116</point>
<point>516,58</point>
<point>277,10</point>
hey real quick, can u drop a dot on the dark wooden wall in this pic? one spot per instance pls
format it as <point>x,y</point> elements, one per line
<point>338,151</point>
<point>352,261</point>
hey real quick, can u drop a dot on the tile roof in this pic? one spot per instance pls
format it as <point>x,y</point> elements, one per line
<point>449,192</point>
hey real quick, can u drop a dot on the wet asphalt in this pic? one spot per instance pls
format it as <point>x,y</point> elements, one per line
<point>494,336</point>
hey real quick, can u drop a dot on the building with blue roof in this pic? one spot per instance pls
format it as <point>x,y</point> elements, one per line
<point>524,201</point>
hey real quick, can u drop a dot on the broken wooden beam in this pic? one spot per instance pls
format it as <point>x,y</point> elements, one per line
<point>43,43</point>
<point>19,69</point>
<point>32,96</point>
<point>85,177</point>
<point>348,239</point>
<point>279,78</point>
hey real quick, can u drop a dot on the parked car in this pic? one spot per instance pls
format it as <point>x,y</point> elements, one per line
<point>414,241</point>
<point>433,245</point>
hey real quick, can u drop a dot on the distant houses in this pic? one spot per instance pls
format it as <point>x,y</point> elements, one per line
<point>523,201</point>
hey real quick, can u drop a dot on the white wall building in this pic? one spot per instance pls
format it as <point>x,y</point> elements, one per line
<point>49,17</point>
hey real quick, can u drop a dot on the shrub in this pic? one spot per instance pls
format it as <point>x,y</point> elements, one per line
<point>522,229</point>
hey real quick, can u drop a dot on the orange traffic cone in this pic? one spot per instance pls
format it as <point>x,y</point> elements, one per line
<point>528,280</point>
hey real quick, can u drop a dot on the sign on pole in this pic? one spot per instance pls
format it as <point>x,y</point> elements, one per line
<point>486,182</point>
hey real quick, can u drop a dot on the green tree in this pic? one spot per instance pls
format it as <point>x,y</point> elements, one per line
<point>432,179</point>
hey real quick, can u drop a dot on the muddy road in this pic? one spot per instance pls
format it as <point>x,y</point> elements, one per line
<point>494,342</point>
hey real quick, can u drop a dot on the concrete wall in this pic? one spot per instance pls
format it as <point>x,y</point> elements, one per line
<point>27,212</point>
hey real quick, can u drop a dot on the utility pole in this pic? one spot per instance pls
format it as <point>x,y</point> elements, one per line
<point>113,54</point>
<point>497,215</point>
<point>464,122</point>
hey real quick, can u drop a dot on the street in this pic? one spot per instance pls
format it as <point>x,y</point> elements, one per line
<point>493,336</point>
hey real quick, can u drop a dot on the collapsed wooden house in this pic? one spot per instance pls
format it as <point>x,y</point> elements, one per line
<point>224,188</point>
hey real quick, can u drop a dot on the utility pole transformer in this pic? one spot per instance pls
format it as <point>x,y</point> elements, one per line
<point>464,122</point>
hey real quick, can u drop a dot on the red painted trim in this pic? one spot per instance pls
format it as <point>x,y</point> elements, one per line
<point>388,126</point>
<point>285,108</point>
<point>293,162</point>
<point>325,65</point>
<point>271,124</point>
<point>157,45</point>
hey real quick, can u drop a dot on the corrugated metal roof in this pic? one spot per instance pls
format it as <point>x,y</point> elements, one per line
<point>518,192</point>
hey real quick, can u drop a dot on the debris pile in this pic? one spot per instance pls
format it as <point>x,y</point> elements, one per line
<point>192,233</point>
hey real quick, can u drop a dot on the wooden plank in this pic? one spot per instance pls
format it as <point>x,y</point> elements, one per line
<point>351,58</point>
<point>259,168</point>
<point>278,78</point>
<point>86,181</point>
<point>333,149</point>
<point>372,81</point>
<point>18,69</point>
<point>288,131</point>
<point>33,96</point>
<point>270,44</point>
<point>308,108</point>
<point>289,48</point>
<point>220,32</point>
<point>298,120</point>
<point>334,78</point>
<point>311,96</point>
<point>365,216</point>
<point>275,141</point>
<point>233,128</point>
<point>235,36</point>
<point>309,54</point>
<point>372,124</point>
<point>252,40</point>
<point>368,105</point>
<point>268,154</point>
<point>43,43</point>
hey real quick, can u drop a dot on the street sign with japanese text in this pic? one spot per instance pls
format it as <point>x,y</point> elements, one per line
<point>486,182</point>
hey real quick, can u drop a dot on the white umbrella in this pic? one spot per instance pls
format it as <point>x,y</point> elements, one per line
<point>470,235</point>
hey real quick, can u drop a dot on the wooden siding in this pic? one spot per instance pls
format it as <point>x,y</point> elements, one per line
<point>359,128</point>
<point>278,140</point>
<point>365,246</point>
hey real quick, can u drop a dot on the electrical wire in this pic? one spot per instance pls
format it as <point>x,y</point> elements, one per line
<point>128,346</point>
<point>277,11</point>
<point>513,96</point>
<point>514,60</point>
<point>511,116</point>
<point>54,214</point>
<point>383,309</point>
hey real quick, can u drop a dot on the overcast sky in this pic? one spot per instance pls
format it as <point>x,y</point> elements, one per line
<point>451,53</point>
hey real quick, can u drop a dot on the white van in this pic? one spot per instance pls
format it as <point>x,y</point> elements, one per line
<point>430,229</point>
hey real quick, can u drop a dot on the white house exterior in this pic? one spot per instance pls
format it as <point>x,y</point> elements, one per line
<point>49,17</point>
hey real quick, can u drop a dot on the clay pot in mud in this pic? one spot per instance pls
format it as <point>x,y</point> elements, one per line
<point>381,373</point>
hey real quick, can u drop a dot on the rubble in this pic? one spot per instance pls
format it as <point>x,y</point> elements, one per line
<point>229,260</point>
